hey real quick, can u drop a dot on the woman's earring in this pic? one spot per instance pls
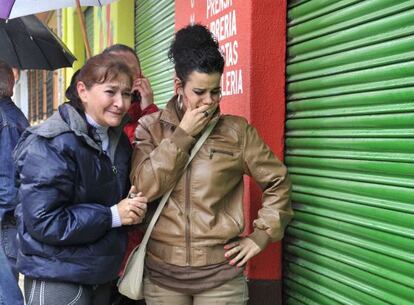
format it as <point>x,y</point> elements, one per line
<point>180,102</point>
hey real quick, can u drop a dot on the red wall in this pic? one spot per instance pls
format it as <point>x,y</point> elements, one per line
<point>252,36</point>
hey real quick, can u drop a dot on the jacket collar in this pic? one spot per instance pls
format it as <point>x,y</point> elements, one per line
<point>169,114</point>
<point>6,99</point>
<point>5,102</point>
<point>67,119</point>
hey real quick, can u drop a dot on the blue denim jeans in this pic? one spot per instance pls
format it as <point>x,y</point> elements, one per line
<point>9,290</point>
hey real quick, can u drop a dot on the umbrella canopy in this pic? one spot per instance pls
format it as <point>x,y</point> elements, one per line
<point>27,43</point>
<point>17,8</point>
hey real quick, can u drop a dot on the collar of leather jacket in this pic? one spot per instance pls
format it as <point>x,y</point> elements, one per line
<point>172,115</point>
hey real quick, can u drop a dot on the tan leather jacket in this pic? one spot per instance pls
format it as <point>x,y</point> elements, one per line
<point>205,210</point>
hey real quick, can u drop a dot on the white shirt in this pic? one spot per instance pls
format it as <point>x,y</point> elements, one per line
<point>101,131</point>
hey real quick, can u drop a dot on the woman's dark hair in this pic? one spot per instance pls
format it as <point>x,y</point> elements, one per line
<point>97,70</point>
<point>71,94</point>
<point>119,47</point>
<point>195,49</point>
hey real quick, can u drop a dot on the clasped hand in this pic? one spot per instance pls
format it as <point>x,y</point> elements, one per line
<point>133,208</point>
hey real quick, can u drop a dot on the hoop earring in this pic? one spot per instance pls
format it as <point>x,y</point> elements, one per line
<point>180,102</point>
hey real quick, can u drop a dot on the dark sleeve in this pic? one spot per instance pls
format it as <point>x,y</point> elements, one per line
<point>9,136</point>
<point>47,191</point>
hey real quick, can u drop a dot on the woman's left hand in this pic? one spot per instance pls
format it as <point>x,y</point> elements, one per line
<point>241,251</point>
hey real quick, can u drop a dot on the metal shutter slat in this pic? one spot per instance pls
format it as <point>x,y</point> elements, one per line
<point>153,35</point>
<point>314,9</point>
<point>382,101</point>
<point>382,54</point>
<point>391,27</point>
<point>345,18</point>
<point>350,153</point>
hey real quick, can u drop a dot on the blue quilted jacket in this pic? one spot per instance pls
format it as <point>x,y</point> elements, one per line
<point>67,185</point>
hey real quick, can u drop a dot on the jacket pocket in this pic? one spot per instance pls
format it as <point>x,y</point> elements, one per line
<point>221,151</point>
<point>233,220</point>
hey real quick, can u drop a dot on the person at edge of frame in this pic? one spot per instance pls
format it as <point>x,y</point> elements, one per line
<point>195,254</point>
<point>12,124</point>
<point>73,191</point>
<point>142,104</point>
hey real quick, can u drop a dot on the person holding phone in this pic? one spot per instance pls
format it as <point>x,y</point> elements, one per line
<point>142,102</point>
<point>195,254</point>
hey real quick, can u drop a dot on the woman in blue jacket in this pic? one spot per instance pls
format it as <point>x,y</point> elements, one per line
<point>73,175</point>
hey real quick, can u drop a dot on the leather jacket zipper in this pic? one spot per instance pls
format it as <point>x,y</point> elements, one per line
<point>187,217</point>
<point>214,151</point>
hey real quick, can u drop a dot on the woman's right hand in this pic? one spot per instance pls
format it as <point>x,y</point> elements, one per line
<point>143,86</point>
<point>194,120</point>
<point>133,208</point>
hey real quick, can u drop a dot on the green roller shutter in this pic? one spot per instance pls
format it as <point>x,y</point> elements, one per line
<point>350,152</point>
<point>154,30</point>
<point>89,26</point>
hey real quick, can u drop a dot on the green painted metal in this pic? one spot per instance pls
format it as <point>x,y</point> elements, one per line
<point>154,22</point>
<point>372,56</point>
<point>314,9</point>
<point>384,29</point>
<point>89,20</point>
<point>395,101</point>
<point>358,14</point>
<point>349,150</point>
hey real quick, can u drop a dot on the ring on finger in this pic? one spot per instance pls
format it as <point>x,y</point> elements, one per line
<point>131,195</point>
<point>205,112</point>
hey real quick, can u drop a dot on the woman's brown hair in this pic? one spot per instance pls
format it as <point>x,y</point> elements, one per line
<point>97,70</point>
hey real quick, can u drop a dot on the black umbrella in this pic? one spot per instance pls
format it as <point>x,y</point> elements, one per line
<point>27,43</point>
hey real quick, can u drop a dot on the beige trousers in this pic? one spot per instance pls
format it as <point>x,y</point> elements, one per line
<point>233,292</point>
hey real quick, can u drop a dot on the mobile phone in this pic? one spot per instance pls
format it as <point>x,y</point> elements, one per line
<point>136,97</point>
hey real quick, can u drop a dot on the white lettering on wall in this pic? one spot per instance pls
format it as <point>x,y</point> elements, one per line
<point>222,21</point>
<point>232,82</point>
<point>215,7</point>
<point>225,26</point>
<point>230,52</point>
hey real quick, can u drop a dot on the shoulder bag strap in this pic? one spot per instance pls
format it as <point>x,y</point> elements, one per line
<point>164,199</point>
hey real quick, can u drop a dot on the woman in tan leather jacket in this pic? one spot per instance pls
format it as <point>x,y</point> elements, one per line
<point>195,254</point>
